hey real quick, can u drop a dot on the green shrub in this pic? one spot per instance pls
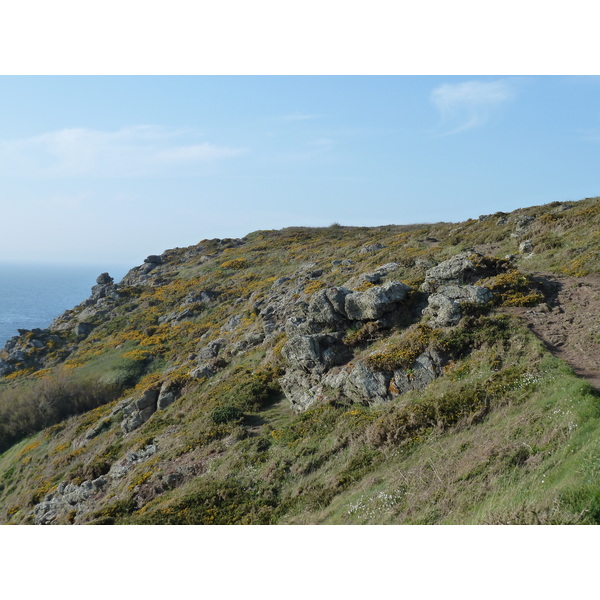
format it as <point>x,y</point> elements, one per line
<point>226,414</point>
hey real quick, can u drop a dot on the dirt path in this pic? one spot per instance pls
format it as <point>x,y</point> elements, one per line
<point>569,323</point>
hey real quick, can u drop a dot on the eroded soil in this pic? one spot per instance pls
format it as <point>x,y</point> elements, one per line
<point>569,322</point>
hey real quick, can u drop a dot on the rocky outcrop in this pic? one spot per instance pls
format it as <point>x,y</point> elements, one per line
<point>375,302</point>
<point>315,345</point>
<point>462,269</point>
<point>74,499</point>
<point>68,497</point>
<point>27,350</point>
<point>371,248</point>
<point>318,360</point>
<point>136,411</point>
<point>444,307</point>
<point>458,270</point>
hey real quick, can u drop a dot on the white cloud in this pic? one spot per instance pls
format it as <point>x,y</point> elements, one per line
<point>470,104</point>
<point>131,151</point>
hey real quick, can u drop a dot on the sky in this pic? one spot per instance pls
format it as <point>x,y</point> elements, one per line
<point>110,169</point>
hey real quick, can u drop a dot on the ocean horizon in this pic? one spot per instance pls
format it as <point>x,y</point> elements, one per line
<point>33,295</point>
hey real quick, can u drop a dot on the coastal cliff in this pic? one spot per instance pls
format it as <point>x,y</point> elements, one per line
<point>433,373</point>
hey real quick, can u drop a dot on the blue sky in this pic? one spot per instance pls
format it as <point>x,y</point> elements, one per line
<point>110,169</point>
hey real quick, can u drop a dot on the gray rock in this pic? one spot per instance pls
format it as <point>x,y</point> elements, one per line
<point>327,306</point>
<point>5,368</point>
<point>371,248</point>
<point>97,429</point>
<point>203,371</point>
<point>300,389</point>
<point>444,307</point>
<point>384,270</point>
<point>459,269</point>
<point>374,278</point>
<point>139,410</point>
<point>83,329</point>
<point>442,311</point>
<point>169,392</point>
<point>526,247</point>
<point>363,385</point>
<point>467,293</point>
<point>373,303</point>
<point>104,279</point>
<point>524,221</point>
<point>280,281</point>
<point>154,259</point>
<point>232,324</point>
<point>315,353</point>
<point>148,399</point>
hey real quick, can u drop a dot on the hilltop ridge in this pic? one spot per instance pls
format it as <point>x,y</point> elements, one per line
<point>393,374</point>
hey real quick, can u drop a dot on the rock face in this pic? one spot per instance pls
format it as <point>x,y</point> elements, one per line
<point>68,497</point>
<point>137,411</point>
<point>458,270</point>
<point>80,498</point>
<point>443,307</point>
<point>315,345</point>
<point>462,269</point>
<point>375,302</point>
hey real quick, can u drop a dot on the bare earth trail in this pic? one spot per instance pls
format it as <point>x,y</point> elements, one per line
<point>569,323</point>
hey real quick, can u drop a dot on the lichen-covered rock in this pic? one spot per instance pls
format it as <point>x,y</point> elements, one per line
<point>371,248</point>
<point>444,307</point>
<point>464,268</point>
<point>315,353</point>
<point>68,497</point>
<point>526,247</point>
<point>375,302</point>
<point>327,307</point>
<point>139,410</point>
<point>169,392</point>
<point>362,385</point>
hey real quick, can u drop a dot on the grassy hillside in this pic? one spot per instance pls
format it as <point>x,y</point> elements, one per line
<point>165,399</point>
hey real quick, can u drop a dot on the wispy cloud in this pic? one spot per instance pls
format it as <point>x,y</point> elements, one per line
<point>130,151</point>
<point>469,104</point>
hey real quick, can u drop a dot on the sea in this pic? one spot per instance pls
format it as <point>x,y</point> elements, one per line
<point>34,295</point>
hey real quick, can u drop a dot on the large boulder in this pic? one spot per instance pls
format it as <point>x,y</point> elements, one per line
<point>456,270</point>
<point>104,279</point>
<point>444,307</point>
<point>327,306</point>
<point>315,353</point>
<point>139,410</point>
<point>375,302</point>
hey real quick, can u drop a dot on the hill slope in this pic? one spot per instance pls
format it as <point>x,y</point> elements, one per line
<point>397,374</point>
